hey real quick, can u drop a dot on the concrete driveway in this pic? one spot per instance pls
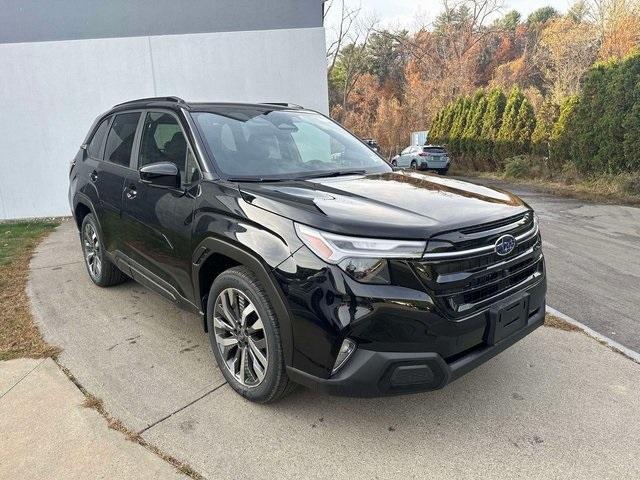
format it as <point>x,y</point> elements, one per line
<point>593,260</point>
<point>556,405</point>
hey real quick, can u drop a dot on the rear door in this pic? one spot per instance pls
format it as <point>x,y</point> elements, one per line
<point>414,156</point>
<point>405,157</point>
<point>93,155</point>
<point>109,175</point>
<point>158,220</point>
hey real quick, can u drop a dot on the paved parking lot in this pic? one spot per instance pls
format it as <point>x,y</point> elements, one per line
<point>556,405</point>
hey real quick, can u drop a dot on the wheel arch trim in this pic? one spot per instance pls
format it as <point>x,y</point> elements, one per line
<point>212,246</point>
<point>81,199</point>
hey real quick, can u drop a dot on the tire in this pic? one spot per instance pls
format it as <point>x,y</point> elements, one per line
<point>443,171</point>
<point>414,165</point>
<point>240,290</point>
<point>100,269</point>
<point>394,163</point>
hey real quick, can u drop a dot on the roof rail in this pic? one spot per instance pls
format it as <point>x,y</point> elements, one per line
<point>283,104</point>
<point>151,99</point>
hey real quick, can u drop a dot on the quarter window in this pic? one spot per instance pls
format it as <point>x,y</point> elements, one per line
<point>120,139</point>
<point>192,170</point>
<point>94,149</point>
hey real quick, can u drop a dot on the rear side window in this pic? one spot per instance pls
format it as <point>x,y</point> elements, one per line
<point>94,149</point>
<point>120,139</point>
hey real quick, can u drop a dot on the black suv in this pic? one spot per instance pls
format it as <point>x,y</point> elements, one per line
<point>309,259</point>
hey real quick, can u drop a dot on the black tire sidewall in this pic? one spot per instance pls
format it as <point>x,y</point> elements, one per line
<point>245,281</point>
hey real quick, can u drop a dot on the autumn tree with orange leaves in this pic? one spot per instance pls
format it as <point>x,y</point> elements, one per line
<point>453,78</point>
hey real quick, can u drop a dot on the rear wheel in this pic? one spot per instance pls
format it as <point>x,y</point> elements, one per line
<point>443,171</point>
<point>245,336</point>
<point>102,272</point>
<point>414,165</point>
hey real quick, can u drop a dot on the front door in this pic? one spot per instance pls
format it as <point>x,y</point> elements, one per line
<point>157,220</point>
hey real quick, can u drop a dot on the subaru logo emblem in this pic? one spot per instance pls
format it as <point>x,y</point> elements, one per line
<point>505,245</point>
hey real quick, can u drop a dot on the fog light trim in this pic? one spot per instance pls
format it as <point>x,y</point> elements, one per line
<point>347,349</point>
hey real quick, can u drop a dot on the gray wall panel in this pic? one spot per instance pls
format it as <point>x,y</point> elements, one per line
<point>51,92</point>
<point>45,20</point>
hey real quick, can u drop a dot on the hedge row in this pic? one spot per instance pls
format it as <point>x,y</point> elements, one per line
<point>598,131</point>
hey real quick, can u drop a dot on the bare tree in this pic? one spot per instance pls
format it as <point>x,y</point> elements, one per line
<point>354,58</point>
<point>618,24</point>
<point>346,21</point>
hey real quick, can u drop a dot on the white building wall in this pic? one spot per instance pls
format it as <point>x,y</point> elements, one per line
<point>50,93</point>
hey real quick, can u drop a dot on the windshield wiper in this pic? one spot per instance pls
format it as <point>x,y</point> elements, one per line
<point>257,179</point>
<point>340,173</point>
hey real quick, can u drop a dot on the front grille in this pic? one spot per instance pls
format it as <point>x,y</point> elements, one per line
<point>485,235</point>
<point>463,282</point>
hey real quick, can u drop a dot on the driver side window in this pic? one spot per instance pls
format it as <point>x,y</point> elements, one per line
<point>163,141</point>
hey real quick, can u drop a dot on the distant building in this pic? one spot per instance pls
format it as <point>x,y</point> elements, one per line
<point>419,138</point>
<point>62,63</point>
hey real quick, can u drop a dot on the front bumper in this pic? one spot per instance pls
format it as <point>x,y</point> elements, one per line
<point>378,373</point>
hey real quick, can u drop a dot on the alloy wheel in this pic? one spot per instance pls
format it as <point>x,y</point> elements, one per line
<point>240,337</point>
<point>91,244</point>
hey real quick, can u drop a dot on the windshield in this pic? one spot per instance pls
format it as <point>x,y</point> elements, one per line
<point>251,143</point>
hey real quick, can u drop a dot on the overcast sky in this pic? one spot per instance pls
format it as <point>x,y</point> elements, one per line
<point>409,13</point>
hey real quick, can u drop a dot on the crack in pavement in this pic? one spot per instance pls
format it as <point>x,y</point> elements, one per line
<point>148,427</point>
<point>21,379</point>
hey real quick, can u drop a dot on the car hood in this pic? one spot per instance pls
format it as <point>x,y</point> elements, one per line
<point>390,205</point>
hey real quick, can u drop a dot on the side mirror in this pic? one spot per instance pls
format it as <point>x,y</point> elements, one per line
<point>161,174</point>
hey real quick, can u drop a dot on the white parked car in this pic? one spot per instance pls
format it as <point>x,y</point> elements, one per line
<point>423,157</point>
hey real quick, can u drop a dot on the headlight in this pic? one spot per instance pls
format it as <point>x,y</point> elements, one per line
<point>362,258</point>
<point>333,248</point>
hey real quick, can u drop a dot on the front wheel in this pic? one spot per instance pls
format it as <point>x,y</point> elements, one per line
<point>245,336</point>
<point>102,272</point>
<point>443,171</point>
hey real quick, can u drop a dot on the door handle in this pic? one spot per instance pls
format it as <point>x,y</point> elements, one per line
<point>94,176</point>
<point>132,192</point>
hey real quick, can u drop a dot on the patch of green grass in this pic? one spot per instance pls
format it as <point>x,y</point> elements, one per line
<point>17,237</point>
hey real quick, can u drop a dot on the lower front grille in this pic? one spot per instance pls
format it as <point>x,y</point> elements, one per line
<point>469,299</point>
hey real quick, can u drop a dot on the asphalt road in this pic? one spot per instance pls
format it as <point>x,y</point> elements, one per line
<point>593,261</point>
<point>555,405</point>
